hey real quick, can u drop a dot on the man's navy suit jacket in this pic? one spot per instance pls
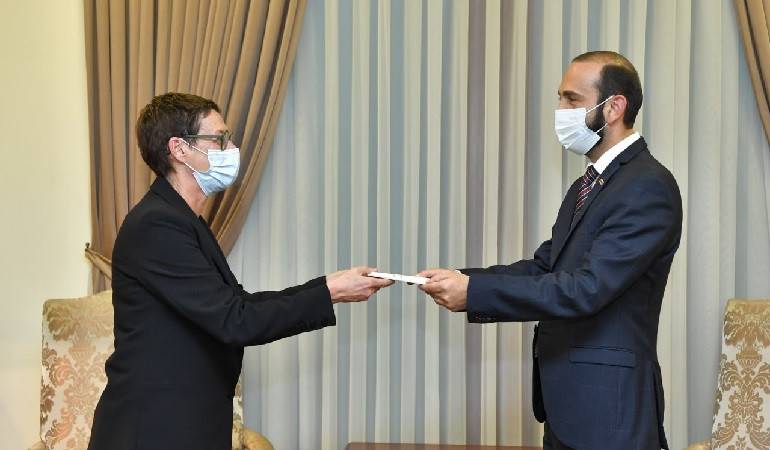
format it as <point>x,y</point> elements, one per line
<point>596,287</point>
<point>181,322</point>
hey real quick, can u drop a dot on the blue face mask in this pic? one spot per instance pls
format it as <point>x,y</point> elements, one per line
<point>223,169</point>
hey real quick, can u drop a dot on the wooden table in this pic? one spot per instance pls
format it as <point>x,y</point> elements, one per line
<point>373,446</point>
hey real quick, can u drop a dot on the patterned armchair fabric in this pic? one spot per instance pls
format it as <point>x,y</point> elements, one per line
<point>77,339</point>
<point>743,390</point>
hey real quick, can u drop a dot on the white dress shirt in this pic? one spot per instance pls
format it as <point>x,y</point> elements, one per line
<point>614,151</point>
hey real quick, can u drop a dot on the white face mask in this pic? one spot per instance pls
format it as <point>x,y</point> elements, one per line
<point>572,131</point>
<point>223,169</point>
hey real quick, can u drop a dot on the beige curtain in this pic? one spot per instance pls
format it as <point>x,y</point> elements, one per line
<point>754,22</point>
<point>238,53</point>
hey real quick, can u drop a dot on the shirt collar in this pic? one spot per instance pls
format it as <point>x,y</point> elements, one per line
<point>614,151</point>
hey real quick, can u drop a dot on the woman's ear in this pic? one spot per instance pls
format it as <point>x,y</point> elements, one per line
<point>176,148</point>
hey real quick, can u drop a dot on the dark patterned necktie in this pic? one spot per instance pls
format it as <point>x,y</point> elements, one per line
<point>585,186</point>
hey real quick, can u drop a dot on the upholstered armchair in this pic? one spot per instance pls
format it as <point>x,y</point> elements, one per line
<point>742,406</point>
<point>77,339</point>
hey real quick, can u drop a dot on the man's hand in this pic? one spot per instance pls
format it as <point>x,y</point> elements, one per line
<point>448,288</point>
<point>353,285</point>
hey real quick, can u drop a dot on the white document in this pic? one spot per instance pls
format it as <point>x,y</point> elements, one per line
<point>398,277</point>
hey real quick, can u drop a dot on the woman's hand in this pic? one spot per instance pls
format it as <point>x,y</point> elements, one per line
<point>353,285</point>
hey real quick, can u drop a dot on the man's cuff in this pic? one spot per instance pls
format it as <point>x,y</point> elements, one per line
<point>474,316</point>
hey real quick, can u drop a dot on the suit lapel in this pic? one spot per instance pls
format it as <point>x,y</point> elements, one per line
<point>570,223</point>
<point>563,220</point>
<point>206,238</point>
<point>211,248</point>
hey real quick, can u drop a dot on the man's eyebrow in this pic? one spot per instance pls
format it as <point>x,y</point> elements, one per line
<point>569,94</point>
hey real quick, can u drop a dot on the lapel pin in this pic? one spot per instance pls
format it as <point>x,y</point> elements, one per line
<point>601,181</point>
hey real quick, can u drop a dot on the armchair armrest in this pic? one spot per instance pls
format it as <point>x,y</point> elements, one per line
<point>255,441</point>
<point>703,445</point>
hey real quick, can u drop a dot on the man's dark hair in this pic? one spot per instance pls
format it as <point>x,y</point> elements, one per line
<point>618,76</point>
<point>166,116</point>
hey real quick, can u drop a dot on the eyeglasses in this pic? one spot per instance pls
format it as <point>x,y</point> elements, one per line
<point>221,139</point>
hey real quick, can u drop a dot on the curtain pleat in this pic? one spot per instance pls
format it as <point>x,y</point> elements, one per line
<point>754,22</point>
<point>333,411</point>
<point>431,205</point>
<point>383,411</point>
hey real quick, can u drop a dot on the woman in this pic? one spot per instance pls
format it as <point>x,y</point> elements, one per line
<point>181,318</point>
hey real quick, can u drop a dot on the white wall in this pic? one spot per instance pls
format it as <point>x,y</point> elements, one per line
<point>44,191</point>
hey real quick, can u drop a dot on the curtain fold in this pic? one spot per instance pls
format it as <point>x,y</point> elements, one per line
<point>238,53</point>
<point>754,22</point>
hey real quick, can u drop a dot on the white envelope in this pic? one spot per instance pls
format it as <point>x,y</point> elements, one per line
<point>398,277</point>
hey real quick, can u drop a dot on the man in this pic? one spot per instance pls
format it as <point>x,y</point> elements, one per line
<point>181,318</point>
<point>597,284</point>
